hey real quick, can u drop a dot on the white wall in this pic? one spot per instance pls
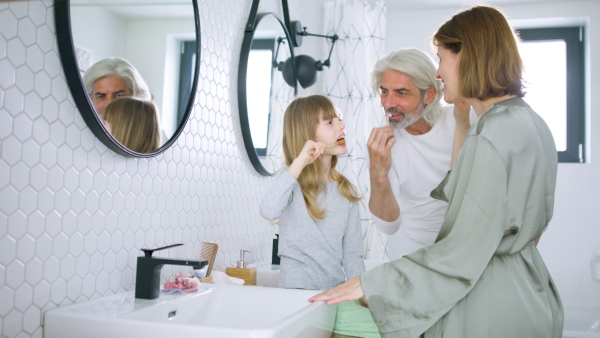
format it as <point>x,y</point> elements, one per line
<point>74,215</point>
<point>574,232</point>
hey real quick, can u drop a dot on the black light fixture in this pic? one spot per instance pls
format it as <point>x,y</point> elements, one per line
<point>306,67</point>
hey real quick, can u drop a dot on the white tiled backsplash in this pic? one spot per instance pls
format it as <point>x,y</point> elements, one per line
<point>73,214</point>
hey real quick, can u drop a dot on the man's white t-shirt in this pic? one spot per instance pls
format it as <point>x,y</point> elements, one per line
<point>419,164</point>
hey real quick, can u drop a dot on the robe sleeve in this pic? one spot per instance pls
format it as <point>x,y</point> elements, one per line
<point>409,295</point>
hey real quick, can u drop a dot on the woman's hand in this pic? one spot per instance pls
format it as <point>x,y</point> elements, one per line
<point>348,291</point>
<point>305,158</point>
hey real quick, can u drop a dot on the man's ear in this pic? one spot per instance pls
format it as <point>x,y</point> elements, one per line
<point>429,95</point>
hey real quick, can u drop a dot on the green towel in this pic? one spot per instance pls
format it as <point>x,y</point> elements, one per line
<point>353,319</point>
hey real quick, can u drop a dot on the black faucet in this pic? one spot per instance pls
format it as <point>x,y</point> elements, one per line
<point>147,277</point>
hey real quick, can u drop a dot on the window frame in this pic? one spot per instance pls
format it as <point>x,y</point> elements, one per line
<point>573,36</point>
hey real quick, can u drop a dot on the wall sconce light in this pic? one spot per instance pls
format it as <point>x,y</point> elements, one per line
<point>306,67</point>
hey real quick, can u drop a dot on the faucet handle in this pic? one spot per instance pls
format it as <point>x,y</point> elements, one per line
<point>148,252</point>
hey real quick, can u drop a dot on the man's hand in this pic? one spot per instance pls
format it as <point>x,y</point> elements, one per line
<point>380,145</point>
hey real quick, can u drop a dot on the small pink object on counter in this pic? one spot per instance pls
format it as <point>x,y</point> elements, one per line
<point>181,284</point>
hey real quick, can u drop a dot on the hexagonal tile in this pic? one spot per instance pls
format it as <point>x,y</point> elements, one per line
<point>34,271</point>
<point>28,200</point>
<point>38,177</point>
<point>14,101</point>
<point>62,201</point>
<point>12,324</point>
<point>4,174</point>
<point>25,248</point>
<point>37,13</point>
<point>9,198</point>
<point>53,224</point>
<point>19,175</point>
<point>15,51</point>
<point>102,283</point>
<point>76,244</point>
<point>52,65</point>
<point>27,31</point>
<point>35,58</point>
<point>48,155</point>
<point>31,152</point>
<point>8,24</point>
<point>60,246</point>
<point>23,297</point>
<point>51,269</point>
<point>31,320</point>
<point>41,130</point>
<point>6,300</point>
<point>41,294</point>
<point>67,267</point>
<point>35,224</point>
<point>58,291</point>
<point>24,79</point>
<point>43,247</point>
<point>74,287</point>
<point>45,39</point>
<point>15,274</point>
<point>88,285</point>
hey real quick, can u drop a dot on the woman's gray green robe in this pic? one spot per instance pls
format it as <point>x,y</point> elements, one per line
<point>483,277</point>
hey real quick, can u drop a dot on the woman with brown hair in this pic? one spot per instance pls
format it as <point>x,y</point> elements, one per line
<point>134,123</point>
<point>483,277</point>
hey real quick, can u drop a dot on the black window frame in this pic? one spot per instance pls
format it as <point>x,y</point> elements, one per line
<point>573,36</point>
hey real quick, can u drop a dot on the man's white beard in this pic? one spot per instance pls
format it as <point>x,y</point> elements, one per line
<point>409,118</point>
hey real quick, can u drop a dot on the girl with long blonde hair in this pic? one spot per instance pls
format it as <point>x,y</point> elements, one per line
<point>320,240</point>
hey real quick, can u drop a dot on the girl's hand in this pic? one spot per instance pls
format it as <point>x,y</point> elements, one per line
<point>308,156</point>
<point>347,291</point>
<point>304,158</point>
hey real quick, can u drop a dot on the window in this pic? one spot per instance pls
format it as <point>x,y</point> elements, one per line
<point>555,85</point>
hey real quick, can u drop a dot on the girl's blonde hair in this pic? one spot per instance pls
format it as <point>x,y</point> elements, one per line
<point>489,64</point>
<point>300,123</point>
<point>134,123</point>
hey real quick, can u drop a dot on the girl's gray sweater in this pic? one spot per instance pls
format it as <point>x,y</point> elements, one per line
<point>314,254</point>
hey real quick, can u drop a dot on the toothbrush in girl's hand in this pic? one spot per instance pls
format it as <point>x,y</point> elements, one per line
<point>342,141</point>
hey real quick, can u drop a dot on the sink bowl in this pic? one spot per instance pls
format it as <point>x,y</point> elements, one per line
<point>214,311</point>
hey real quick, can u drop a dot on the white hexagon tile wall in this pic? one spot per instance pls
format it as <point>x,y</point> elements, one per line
<point>73,214</point>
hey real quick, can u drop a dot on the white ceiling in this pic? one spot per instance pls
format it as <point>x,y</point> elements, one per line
<point>403,5</point>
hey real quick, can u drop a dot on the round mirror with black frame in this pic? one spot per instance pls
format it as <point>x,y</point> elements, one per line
<point>263,94</point>
<point>160,42</point>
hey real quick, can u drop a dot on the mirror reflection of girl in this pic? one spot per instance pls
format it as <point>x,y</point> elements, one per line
<point>134,123</point>
<point>320,240</point>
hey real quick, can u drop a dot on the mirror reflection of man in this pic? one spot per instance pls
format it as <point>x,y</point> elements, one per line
<point>111,78</point>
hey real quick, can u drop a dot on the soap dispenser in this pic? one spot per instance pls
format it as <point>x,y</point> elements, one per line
<point>242,271</point>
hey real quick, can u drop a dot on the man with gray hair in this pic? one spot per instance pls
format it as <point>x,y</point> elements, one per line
<point>411,156</point>
<point>111,78</point>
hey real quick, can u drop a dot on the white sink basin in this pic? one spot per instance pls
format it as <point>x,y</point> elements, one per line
<point>214,311</point>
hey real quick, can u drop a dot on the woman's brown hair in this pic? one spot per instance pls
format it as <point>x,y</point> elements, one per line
<point>134,123</point>
<point>299,125</point>
<point>489,64</point>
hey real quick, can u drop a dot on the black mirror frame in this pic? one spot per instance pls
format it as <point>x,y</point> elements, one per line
<point>242,97</point>
<point>64,36</point>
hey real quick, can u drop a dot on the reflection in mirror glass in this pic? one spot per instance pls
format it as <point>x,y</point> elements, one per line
<point>267,94</point>
<point>259,92</point>
<point>158,40</point>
